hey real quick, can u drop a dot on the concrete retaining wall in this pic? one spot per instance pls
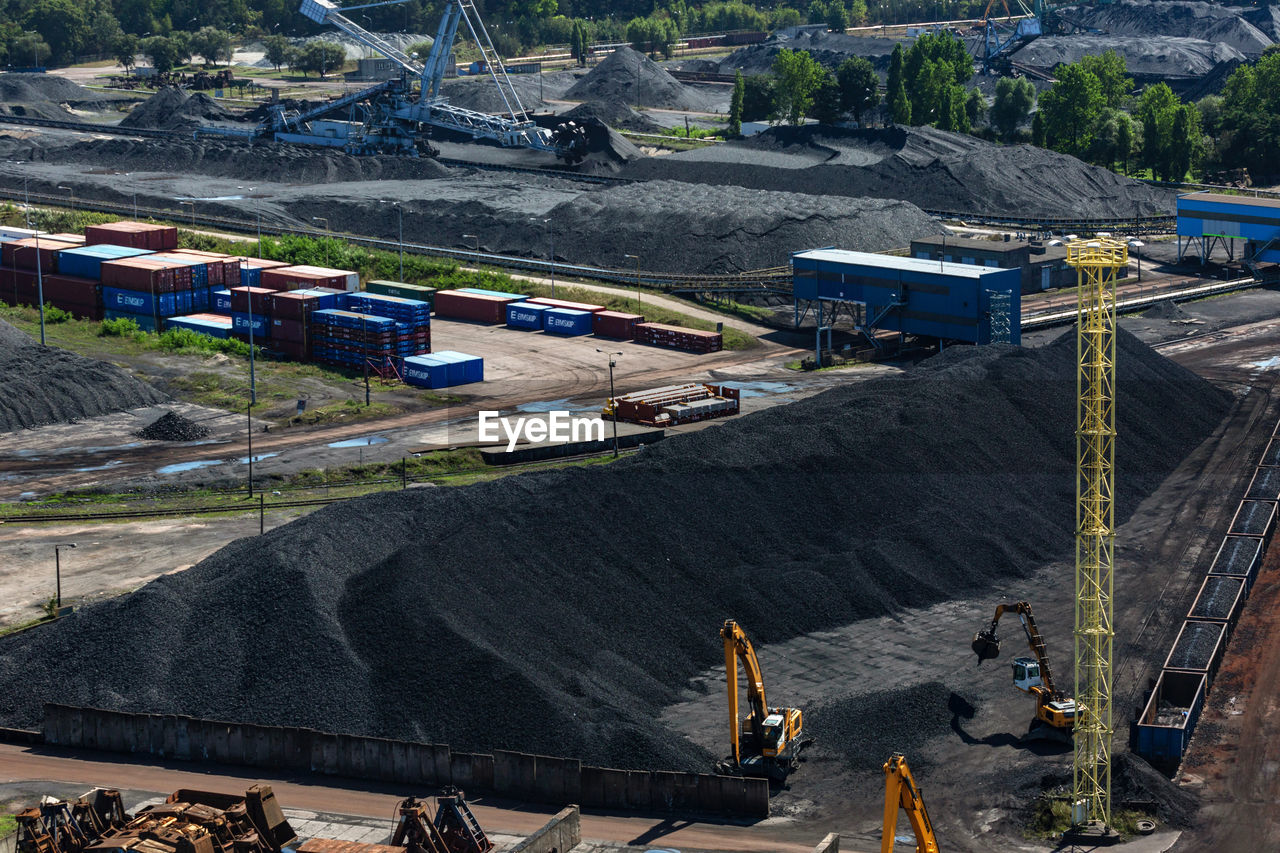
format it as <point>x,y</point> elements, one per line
<point>830,844</point>
<point>10,843</point>
<point>532,778</point>
<point>560,835</point>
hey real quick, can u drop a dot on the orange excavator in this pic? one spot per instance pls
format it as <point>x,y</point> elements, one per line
<point>770,742</point>
<point>901,792</point>
<point>1055,710</point>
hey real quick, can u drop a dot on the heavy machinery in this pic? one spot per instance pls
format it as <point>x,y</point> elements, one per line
<point>1055,711</point>
<point>61,826</point>
<point>901,792</point>
<point>454,829</point>
<point>395,116</point>
<point>770,742</point>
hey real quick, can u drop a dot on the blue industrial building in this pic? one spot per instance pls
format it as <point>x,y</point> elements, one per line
<point>931,299</point>
<point>1208,219</point>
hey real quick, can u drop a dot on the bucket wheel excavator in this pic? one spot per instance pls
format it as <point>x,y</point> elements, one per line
<point>769,741</point>
<point>396,116</point>
<point>1055,711</point>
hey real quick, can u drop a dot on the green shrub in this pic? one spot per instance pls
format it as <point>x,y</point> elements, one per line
<point>54,314</point>
<point>121,327</point>
<point>187,339</point>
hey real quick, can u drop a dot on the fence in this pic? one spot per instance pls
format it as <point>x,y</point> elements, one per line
<point>532,778</point>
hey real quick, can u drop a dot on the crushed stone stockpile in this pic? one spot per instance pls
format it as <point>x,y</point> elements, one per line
<point>629,77</point>
<point>48,96</point>
<point>613,114</point>
<point>930,168</point>
<point>1266,19</point>
<point>1205,21</point>
<point>1151,57</point>
<point>542,624</point>
<point>42,385</point>
<point>828,48</point>
<point>480,94</point>
<point>173,108</point>
<point>172,427</point>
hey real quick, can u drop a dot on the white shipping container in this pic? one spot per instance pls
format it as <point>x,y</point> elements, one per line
<point>8,234</point>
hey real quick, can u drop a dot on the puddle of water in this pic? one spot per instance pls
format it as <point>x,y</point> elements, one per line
<point>113,463</point>
<point>554,406</point>
<point>363,441</point>
<point>1269,364</point>
<point>213,198</point>
<point>762,389</point>
<point>244,460</point>
<point>179,467</point>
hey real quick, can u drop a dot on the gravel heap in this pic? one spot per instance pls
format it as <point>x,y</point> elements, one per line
<point>828,48</point>
<point>1266,19</point>
<point>542,623</point>
<point>613,114</point>
<point>172,427</point>
<point>1151,58</point>
<point>172,108</point>
<point>45,385</point>
<point>1205,21</point>
<point>47,96</point>
<point>628,77</point>
<point>930,168</point>
<point>1165,310</point>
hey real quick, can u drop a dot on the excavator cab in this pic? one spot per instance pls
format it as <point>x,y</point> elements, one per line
<point>1026,674</point>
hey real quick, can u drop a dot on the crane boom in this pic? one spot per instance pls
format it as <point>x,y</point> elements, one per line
<point>738,648</point>
<point>901,792</point>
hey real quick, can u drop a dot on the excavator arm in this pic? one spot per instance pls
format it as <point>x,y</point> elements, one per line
<point>738,648</point>
<point>986,644</point>
<point>900,792</point>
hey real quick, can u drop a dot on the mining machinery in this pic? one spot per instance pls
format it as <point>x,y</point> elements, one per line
<point>769,741</point>
<point>901,792</point>
<point>1055,711</point>
<point>396,116</point>
<point>69,826</point>
<point>453,829</point>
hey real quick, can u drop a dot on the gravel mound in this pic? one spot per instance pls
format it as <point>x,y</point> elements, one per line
<point>173,108</point>
<point>946,480</point>
<point>172,427</point>
<point>1266,19</point>
<point>828,48</point>
<point>1166,310</point>
<point>1205,21</point>
<point>45,385</point>
<point>1150,58</point>
<point>930,168</point>
<point>628,77</point>
<point>613,114</point>
<point>46,96</point>
<point>1133,780</point>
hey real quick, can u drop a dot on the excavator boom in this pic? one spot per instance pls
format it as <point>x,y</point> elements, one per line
<point>901,792</point>
<point>775,732</point>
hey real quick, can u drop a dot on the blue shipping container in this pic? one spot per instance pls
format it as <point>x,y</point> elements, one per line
<point>137,302</point>
<point>498,293</point>
<point>426,372</point>
<point>86,261</point>
<point>466,368</point>
<point>327,300</point>
<point>240,323</point>
<point>524,315</point>
<point>221,301</point>
<point>566,321</point>
<point>200,325</point>
<point>145,323</point>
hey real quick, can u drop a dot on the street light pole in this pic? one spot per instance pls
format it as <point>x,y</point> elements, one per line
<point>400,217</point>
<point>71,197</point>
<point>612,405</point>
<point>475,243</point>
<point>57,569</point>
<point>636,258</point>
<point>326,235</point>
<point>551,235</point>
<point>192,205</point>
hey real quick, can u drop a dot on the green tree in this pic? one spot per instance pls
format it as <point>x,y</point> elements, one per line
<point>1014,100</point>
<point>124,49</point>
<point>1248,133</point>
<point>975,107</point>
<point>1039,134</point>
<point>322,57</point>
<point>957,106</point>
<point>276,50</point>
<point>212,44</point>
<point>798,77</point>
<point>1071,108</point>
<point>735,106</point>
<point>182,46</point>
<point>63,24</point>
<point>837,17</point>
<point>896,94</point>
<point>1124,141</point>
<point>859,86</point>
<point>759,98</point>
<point>826,100</point>
<point>934,62</point>
<point>29,49</point>
<point>162,52</point>
<point>135,16</point>
<point>1110,70</point>
<point>1157,110</point>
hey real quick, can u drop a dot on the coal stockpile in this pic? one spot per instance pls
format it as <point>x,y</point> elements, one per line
<point>172,108</point>
<point>1205,21</point>
<point>828,48</point>
<point>1238,556</point>
<point>1254,518</point>
<point>1134,781</point>
<point>1195,647</point>
<point>558,612</point>
<point>45,385</point>
<point>613,114</point>
<point>628,77</point>
<point>1149,58</point>
<point>867,728</point>
<point>930,168</point>
<point>1216,598</point>
<point>1265,485</point>
<point>49,96</point>
<point>172,427</point>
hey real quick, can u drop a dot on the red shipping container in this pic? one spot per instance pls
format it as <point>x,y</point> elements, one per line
<point>141,274</point>
<point>70,288</point>
<point>472,306</point>
<point>291,306</point>
<point>288,330</point>
<point>262,263</point>
<point>224,270</point>
<point>21,254</point>
<point>184,275</point>
<point>614,324</point>
<point>247,300</point>
<point>137,235</point>
<point>294,350</point>
<point>562,303</point>
<point>83,311</point>
<point>300,277</point>
<point>74,239</point>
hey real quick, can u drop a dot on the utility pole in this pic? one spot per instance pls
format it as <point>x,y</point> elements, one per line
<point>57,574</point>
<point>612,405</point>
<point>636,258</point>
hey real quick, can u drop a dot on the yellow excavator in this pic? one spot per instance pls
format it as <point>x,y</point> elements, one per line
<point>1055,711</point>
<point>770,742</point>
<point>900,792</point>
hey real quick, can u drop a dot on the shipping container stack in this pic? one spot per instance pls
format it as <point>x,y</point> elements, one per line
<point>489,308</point>
<point>251,308</point>
<point>134,235</point>
<point>675,337</point>
<point>349,339</point>
<point>301,277</point>
<point>443,369</point>
<point>18,267</point>
<point>213,325</point>
<point>404,291</point>
<point>412,316</point>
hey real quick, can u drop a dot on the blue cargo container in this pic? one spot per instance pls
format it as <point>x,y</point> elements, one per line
<point>138,302</point>
<point>145,322</point>
<point>1163,731</point>
<point>410,311</point>
<point>426,372</point>
<point>201,299</point>
<point>352,320</point>
<point>500,294</point>
<point>327,300</point>
<point>240,323</point>
<point>526,315</point>
<point>221,301</point>
<point>566,321</point>
<point>463,368</point>
<point>86,261</point>
<point>201,325</point>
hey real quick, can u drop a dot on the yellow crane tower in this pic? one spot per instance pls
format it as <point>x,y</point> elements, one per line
<point>1097,262</point>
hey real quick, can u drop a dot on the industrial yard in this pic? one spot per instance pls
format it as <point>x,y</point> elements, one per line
<point>433,457</point>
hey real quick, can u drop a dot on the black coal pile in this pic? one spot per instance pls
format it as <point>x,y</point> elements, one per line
<point>931,168</point>
<point>48,96</point>
<point>558,612</point>
<point>867,728</point>
<point>629,77</point>
<point>1237,556</point>
<point>1165,310</point>
<point>1195,645</point>
<point>1253,518</point>
<point>45,385</point>
<point>828,48</point>
<point>172,427</point>
<point>173,108</point>
<point>1216,598</point>
<point>1134,782</point>
<point>1180,18</point>
<point>613,114</point>
<point>1151,58</point>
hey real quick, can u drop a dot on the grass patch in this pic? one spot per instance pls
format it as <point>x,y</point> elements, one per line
<point>8,823</point>
<point>1051,817</point>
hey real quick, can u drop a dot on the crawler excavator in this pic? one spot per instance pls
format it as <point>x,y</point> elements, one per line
<point>1055,711</point>
<point>771,741</point>
<point>900,791</point>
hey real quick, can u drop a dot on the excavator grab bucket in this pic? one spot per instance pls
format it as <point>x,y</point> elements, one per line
<point>986,645</point>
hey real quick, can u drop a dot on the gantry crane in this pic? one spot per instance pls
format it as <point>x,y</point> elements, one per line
<point>772,741</point>
<point>900,792</point>
<point>394,116</point>
<point>1097,263</point>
